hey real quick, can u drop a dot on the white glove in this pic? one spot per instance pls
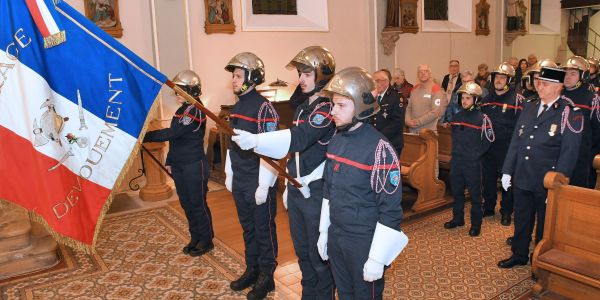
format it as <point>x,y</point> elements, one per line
<point>244,139</point>
<point>372,270</point>
<point>322,245</point>
<point>228,173</point>
<point>228,181</point>
<point>261,194</point>
<point>284,196</point>
<point>505,181</point>
<point>324,223</point>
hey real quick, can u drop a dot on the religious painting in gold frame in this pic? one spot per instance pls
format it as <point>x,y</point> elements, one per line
<point>105,14</point>
<point>218,16</point>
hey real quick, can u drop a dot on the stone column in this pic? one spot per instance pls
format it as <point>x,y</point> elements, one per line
<point>24,246</point>
<point>156,188</point>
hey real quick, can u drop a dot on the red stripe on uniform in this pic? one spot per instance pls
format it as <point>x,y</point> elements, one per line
<point>584,106</point>
<point>252,119</point>
<point>357,164</point>
<point>193,118</point>
<point>502,105</point>
<point>468,125</point>
<point>37,17</point>
<point>70,204</point>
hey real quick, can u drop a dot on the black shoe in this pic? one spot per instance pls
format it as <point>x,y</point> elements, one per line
<point>201,248</point>
<point>246,280</point>
<point>488,213</point>
<point>453,224</point>
<point>505,220</point>
<point>264,284</point>
<point>509,241</point>
<point>511,262</point>
<point>475,230</point>
<point>186,249</point>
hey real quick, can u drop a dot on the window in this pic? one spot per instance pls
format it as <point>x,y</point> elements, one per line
<point>274,7</point>
<point>436,10</point>
<point>536,12</point>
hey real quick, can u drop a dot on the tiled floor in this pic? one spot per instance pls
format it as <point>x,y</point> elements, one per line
<point>229,231</point>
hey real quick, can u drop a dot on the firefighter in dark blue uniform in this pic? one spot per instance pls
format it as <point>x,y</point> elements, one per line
<point>390,118</point>
<point>594,81</point>
<point>546,138</point>
<point>187,163</point>
<point>503,106</point>
<point>578,92</point>
<point>472,134</point>
<point>361,212</point>
<point>594,74</point>
<point>532,74</point>
<point>307,141</point>
<point>250,179</point>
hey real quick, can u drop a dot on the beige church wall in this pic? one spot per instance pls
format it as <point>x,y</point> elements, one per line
<point>437,48</point>
<point>595,25</point>
<point>543,46</point>
<point>348,39</point>
<point>136,20</point>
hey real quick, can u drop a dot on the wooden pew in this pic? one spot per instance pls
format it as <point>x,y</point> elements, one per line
<point>444,146</point>
<point>418,169</point>
<point>567,259</point>
<point>597,167</point>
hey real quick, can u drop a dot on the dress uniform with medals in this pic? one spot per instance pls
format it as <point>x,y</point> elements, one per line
<point>582,97</point>
<point>251,180</point>
<point>390,118</point>
<point>361,212</point>
<point>307,141</point>
<point>472,134</point>
<point>546,138</point>
<point>188,163</point>
<point>503,106</point>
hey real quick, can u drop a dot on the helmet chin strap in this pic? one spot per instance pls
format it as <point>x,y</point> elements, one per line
<point>347,127</point>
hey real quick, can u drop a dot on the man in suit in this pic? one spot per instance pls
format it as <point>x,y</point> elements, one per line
<point>547,138</point>
<point>452,80</point>
<point>392,108</point>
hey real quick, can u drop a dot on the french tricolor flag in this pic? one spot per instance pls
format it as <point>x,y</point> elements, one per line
<point>71,116</point>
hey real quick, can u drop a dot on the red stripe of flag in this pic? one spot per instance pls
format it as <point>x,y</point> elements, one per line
<point>25,171</point>
<point>37,17</point>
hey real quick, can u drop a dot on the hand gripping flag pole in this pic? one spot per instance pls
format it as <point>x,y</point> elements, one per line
<point>229,130</point>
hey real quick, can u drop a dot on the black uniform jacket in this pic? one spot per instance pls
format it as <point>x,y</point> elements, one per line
<point>549,142</point>
<point>311,134</point>
<point>185,136</point>
<point>390,118</point>
<point>469,139</point>
<point>255,114</point>
<point>362,182</point>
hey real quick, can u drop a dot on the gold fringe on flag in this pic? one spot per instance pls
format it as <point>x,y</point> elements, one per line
<point>55,39</point>
<point>78,245</point>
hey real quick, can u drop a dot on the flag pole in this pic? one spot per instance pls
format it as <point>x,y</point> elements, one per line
<point>229,130</point>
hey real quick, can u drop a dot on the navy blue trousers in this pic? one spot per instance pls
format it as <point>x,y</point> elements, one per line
<point>304,216</point>
<point>191,183</point>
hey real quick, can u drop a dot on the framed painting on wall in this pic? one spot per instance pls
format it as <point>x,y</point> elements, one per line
<point>284,15</point>
<point>105,14</point>
<point>219,16</point>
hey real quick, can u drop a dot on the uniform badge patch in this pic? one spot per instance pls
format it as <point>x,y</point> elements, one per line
<point>271,126</point>
<point>186,120</point>
<point>318,119</point>
<point>395,177</point>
